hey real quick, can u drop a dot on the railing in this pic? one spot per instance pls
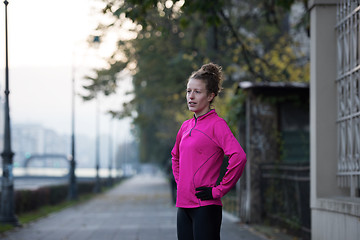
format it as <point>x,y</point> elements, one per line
<point>348,94</point>
<point>231,203</point>
<point>285,196</point>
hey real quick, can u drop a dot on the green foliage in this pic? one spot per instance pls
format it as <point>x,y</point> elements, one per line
<point>281,62</point>
<point>43,211</point>
<point>235,110</point>
<point>159,88</point>
<point>30,200</point>
<point>5,227</point>
<point>104,80</point>
<point>250,39</point>
<point>277,204</point>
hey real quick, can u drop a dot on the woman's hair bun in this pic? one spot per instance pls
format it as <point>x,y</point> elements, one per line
<point>212,68</point>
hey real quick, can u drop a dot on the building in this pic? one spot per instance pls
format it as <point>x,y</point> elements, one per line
<point>34,140</point>
<point>28,139</point>
<point>335,121</point>
<point>274,130</point>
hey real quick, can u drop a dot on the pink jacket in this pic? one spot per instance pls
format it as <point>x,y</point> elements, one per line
<point>197,157</point>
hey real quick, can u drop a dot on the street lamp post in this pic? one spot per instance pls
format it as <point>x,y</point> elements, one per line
<point>97,187</point>
<point>110,154</point>
<point>7,209</point>
<point>72,194</point>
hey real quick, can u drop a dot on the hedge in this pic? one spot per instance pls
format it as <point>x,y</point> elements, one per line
<point>30,200</point>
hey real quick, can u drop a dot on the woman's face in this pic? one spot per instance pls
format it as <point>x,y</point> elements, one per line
<point>197,97</point>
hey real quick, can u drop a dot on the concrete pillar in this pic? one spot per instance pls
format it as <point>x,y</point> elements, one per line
<point>323,109</point>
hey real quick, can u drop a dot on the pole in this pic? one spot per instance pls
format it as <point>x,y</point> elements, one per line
<point>97,187</point>
<point>97,164</point>
<point>7,209</point>
<point>110,154</point>
<point>72,194</point>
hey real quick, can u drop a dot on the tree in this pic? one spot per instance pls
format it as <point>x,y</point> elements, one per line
<point>250,39</point>
<point>249,29</point>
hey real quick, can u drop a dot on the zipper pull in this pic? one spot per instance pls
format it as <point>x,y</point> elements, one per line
<point>193,126</point>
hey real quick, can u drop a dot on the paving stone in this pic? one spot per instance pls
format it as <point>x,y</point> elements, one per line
<point>140,208</point>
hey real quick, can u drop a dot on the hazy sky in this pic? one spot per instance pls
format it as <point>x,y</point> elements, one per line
<point>46,39</point>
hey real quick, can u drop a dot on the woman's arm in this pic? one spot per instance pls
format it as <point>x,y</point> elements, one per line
<point>176,156</point>
<point>237,158</point>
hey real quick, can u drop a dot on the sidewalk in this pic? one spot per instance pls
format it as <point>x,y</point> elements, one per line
<point>138,209</point>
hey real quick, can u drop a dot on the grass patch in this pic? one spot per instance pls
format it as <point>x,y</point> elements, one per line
<point>45,211</point>
<point>48,209</point>
<point>6,227</point>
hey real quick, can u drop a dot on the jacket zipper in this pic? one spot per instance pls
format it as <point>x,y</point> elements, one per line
<point>193,127</point>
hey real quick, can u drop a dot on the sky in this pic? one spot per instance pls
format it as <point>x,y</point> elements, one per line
<point>47,48</point>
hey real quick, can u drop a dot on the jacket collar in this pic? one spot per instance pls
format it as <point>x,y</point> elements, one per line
<point>211,112</point>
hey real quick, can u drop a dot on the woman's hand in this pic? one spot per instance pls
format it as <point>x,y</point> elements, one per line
<point>204,193</point>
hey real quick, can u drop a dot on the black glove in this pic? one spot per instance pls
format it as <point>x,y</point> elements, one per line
<point>205,193</point>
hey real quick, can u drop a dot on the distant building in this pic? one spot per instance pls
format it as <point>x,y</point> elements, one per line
<point>30,139</point>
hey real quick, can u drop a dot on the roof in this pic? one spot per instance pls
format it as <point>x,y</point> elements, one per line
<point>249,85</point>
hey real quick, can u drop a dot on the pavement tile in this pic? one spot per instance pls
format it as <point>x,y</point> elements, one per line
<point>137,209</point>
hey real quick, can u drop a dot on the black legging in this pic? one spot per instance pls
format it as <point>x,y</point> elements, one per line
<point>202,223</point>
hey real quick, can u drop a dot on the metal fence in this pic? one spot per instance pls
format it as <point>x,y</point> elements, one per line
<point>285,196</point>
<point>348,95</point>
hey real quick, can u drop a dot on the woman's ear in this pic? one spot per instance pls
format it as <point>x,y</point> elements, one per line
<point>211,97</point>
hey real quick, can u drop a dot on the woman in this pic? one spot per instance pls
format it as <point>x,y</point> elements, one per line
<point>197,157</point>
